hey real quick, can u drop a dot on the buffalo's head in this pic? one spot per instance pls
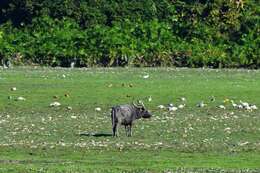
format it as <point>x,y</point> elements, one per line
<point>142,111</point>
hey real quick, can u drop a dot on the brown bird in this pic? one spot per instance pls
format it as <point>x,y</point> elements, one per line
<point>55,97</point>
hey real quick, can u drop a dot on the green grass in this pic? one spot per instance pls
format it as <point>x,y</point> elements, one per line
<point>38,138</point>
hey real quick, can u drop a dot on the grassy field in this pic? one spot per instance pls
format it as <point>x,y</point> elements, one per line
<point>38,138</point>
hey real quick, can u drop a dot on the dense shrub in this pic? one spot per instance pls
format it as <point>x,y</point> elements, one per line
<point>134,33</point>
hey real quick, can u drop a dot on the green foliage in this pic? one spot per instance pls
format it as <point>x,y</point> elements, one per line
<point>138,33</point>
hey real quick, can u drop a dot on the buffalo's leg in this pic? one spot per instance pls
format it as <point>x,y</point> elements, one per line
<point>130,130</point>
<point>126,130</point>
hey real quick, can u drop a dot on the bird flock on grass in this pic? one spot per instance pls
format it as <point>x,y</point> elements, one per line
<point>227,103</point>
<point>201,104</point>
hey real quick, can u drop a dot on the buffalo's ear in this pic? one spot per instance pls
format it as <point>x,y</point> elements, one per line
<point>138,116</point>
<point>139,113</point>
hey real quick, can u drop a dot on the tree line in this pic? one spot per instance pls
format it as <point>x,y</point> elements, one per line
<point>182,33</point>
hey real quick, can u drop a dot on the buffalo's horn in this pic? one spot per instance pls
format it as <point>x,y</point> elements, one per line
<point>140,102</point>
<point>136,105</point>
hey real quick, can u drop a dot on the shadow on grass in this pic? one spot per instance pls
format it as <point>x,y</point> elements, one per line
<point>95,134</point>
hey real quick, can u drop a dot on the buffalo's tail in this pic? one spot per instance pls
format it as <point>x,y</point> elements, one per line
<point>113,113</point>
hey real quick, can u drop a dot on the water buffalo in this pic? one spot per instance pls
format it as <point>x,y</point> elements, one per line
<point>126,114</point>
